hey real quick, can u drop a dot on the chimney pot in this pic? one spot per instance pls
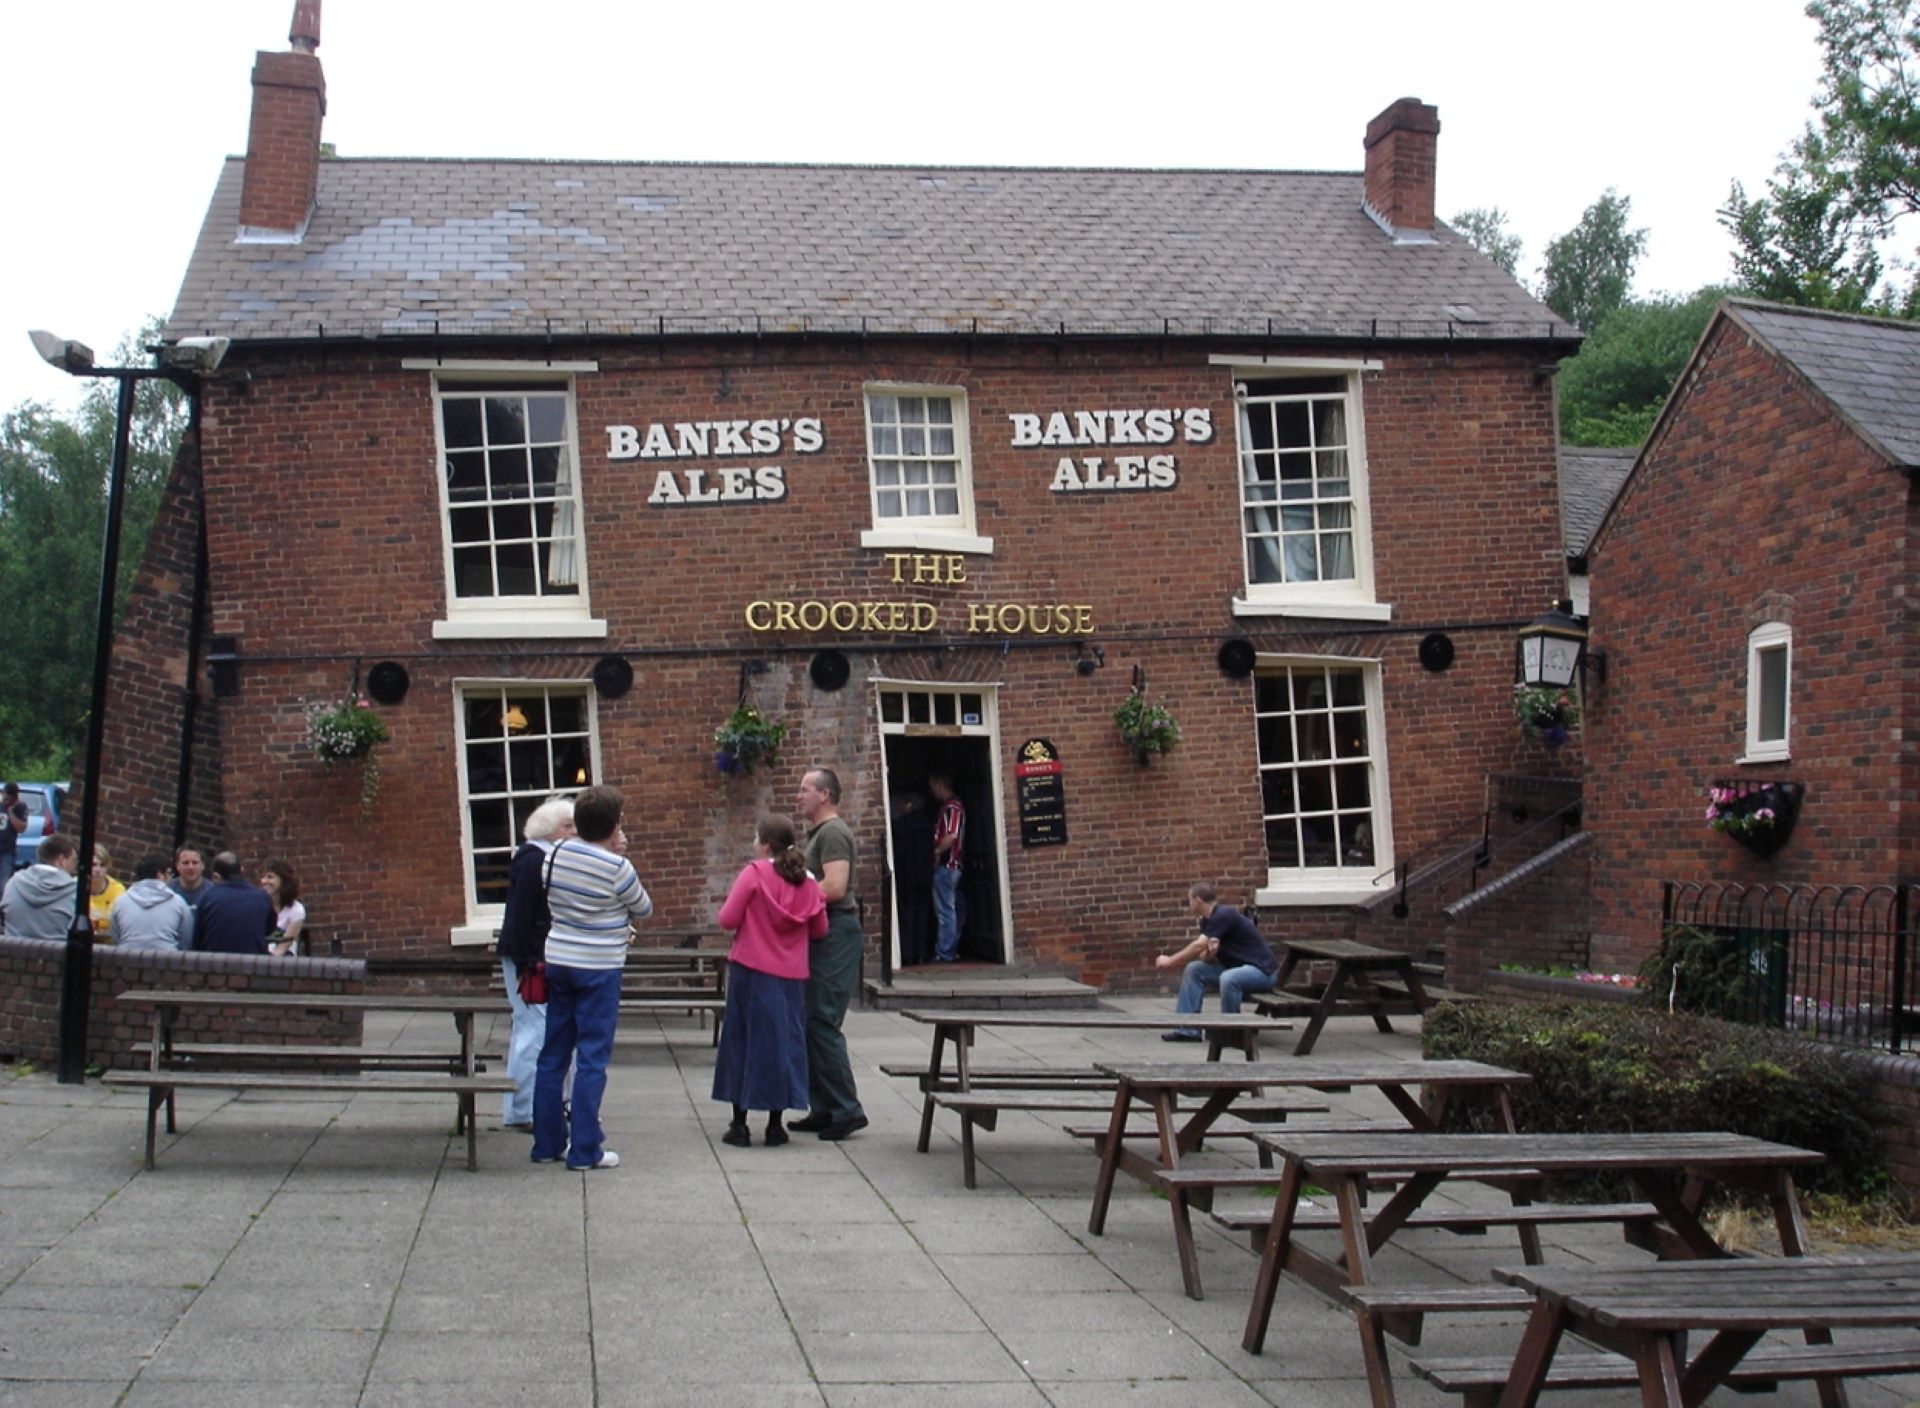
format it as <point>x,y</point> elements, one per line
<point>1402,149</point>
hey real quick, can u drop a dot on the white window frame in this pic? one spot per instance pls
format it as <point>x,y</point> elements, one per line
<point>484,919</point>
<point>1350,599</point>
<point>1774,635</point>
<point>510,617</point>
<point>1345,885</point>
<point>947,533</point>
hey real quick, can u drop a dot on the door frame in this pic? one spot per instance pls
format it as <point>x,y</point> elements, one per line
<point>989,729</point>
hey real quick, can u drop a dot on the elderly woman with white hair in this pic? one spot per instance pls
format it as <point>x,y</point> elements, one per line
<point>523,941</point>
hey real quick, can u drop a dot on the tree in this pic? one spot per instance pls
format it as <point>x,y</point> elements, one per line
<point>1485,228</point>
<point>1611,393</point>
<point>1590,268</point>
<point>1849,177</point>
<point>53,500</point>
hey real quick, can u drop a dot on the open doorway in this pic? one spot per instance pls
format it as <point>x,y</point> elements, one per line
<point>962,751</point>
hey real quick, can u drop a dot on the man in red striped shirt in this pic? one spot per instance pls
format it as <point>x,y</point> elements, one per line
<point>949,840</point>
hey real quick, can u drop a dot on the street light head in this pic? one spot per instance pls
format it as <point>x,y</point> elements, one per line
<point>193,354</point>
<point>74,357</point>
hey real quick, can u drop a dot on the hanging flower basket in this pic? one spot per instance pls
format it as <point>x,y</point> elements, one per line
<point>1147,728</point>
<point>1547,712</point>
<point>1759,815</point>
<point>347,731</point>
<point>746,740</point>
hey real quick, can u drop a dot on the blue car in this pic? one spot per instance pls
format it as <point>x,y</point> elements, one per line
<point>43,801</point>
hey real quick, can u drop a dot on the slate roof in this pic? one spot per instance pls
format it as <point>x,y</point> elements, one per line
<point>1869,368</point>
<point>524,247</point>
<point>1589,479</point>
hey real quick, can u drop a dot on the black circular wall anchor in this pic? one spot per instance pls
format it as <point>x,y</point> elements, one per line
<point>1436,651</point>
<point>612,676</point>
<point>829,671</point>
<point>387,682</point>
<point>1236,658</point>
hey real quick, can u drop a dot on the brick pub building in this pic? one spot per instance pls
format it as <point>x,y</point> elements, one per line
<point>932,465</point>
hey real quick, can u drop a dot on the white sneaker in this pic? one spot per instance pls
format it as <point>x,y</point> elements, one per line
<point>608,1159</point>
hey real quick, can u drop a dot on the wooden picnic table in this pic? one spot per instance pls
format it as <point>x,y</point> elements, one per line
<point>1180,1130</point>
<point>1645,1312</point>
<point>1671,1171</point>
<point>1353,989</point>
<point>956,1028</point>
<point>321,1065</point>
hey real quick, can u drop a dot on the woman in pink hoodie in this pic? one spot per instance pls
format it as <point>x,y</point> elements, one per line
<point>776,907</point>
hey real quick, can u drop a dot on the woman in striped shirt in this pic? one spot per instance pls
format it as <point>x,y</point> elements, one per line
<point>595,898</point>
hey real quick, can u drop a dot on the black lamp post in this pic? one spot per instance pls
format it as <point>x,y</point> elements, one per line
<point>1552,649</point>
<point>182,363</point>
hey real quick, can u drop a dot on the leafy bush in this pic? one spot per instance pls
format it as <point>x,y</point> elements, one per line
<point>1614,1069</point>
<point>1722,973</point>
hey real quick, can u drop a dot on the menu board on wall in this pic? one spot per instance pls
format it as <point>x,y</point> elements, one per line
<point>1043,794</point>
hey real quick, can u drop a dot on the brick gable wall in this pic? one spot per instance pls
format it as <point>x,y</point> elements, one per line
<point>1756,503</point>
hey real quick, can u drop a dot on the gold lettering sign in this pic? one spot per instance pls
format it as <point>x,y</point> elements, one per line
<point>1010,618</point>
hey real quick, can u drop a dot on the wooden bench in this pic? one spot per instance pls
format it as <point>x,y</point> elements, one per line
<point>1464,1222</point>
<point>701,1006</point>
<point>219,1053</point>
<point>1483,1380</point>
<point>160,1086</point>
<point>1402,1314</point>
<point>1039,1077</point>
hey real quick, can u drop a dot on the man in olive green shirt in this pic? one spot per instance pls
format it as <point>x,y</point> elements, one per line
<point>833,962</point>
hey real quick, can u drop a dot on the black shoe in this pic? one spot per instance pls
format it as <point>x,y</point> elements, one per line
<point>1181,1036</point>
<point>811,1124</point>
<point>737,1136</point>
<point>840,1129</point>
<point>775,1136</point>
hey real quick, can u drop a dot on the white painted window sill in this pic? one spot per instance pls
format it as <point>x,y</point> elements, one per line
<point>1320,610</point>
<point>514,627</point>
<point>926,540</point>
<point>473,935</point>
<point>1762,759</point>
<point>1336,892</point>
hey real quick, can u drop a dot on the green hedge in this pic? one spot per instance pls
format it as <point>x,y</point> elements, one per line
<point>1608,1068</point>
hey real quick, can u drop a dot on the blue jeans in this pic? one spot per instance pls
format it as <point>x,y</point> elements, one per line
<point>583,1007</point>
<point>949,913</point>
<point>1234,983</point>
<point>523,1052</point>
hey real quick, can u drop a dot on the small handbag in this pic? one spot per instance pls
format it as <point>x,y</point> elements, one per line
<point>533,985</point>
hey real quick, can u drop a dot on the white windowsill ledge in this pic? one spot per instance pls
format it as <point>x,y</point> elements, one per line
<point>513,627</point>
<point>1763,759</point>
<point>1320,610</point>
<point>473,935</point>
<point>1269,897</point>
<point>925,540</point>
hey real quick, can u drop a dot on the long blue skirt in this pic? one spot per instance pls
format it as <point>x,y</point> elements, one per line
<point>762,1061</point>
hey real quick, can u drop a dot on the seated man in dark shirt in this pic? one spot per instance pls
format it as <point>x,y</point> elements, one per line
<point>235,916</point>
<point>1229,954</point>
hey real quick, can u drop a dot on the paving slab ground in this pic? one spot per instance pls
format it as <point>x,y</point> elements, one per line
<point>314,1250</point>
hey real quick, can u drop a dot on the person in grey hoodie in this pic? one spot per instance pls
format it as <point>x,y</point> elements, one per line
<point>151,914</point>
<point>38,903</point>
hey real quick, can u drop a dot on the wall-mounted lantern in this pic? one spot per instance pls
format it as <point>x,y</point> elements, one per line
<point>1552,649</point>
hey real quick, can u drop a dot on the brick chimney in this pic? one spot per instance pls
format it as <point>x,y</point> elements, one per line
<point>283,140</point>
<point>1402,147</point>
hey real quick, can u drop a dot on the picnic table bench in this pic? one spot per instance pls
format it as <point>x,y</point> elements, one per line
<point>1645,1312</point>
<point>1355,988</point>
<point>461,1077</point>
<point>1218,1087</point>
<point>957,1028</point>
<point>1670,1171</point>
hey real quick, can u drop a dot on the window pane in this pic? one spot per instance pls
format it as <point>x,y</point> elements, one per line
<point>517,576</point>
<point>886,440</point>
<point>1276,792</point>
<point>1276,740</point>
<point>940,410</point>
<point>943,709</point>
<point>470,525</point>
<point>1269,693</point>
<point>1349,688</point>
<point>1351,787</point>
<point>507,474</point>
<point>1309,689</point>
<point>571,765</point>
<point>529,763</point>
<point>883,409</point>
<point>533,708</point>
<point>546,470</point>
<point>1356,840</point>
<point>569,713</point>
<point>506,421</point>
<point>466,476</point>
<point>1317,843</point>
<point>472,572</point>
<point>917,709</point>
<point>512,521</point>
<point>1350,735</point>
<point>548,418</point>
<point>460,418</point>
<point>492,823</point>
<point>891,709</point>
<point>1773,694</point>
<point>486,768</point>
<point>1283,845</point>
<point>1315,787</point>
<point>483,716</point>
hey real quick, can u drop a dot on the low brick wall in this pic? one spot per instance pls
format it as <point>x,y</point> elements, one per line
<point>30,999</point>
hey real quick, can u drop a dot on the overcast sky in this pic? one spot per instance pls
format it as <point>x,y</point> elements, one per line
<point>115,114</point>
